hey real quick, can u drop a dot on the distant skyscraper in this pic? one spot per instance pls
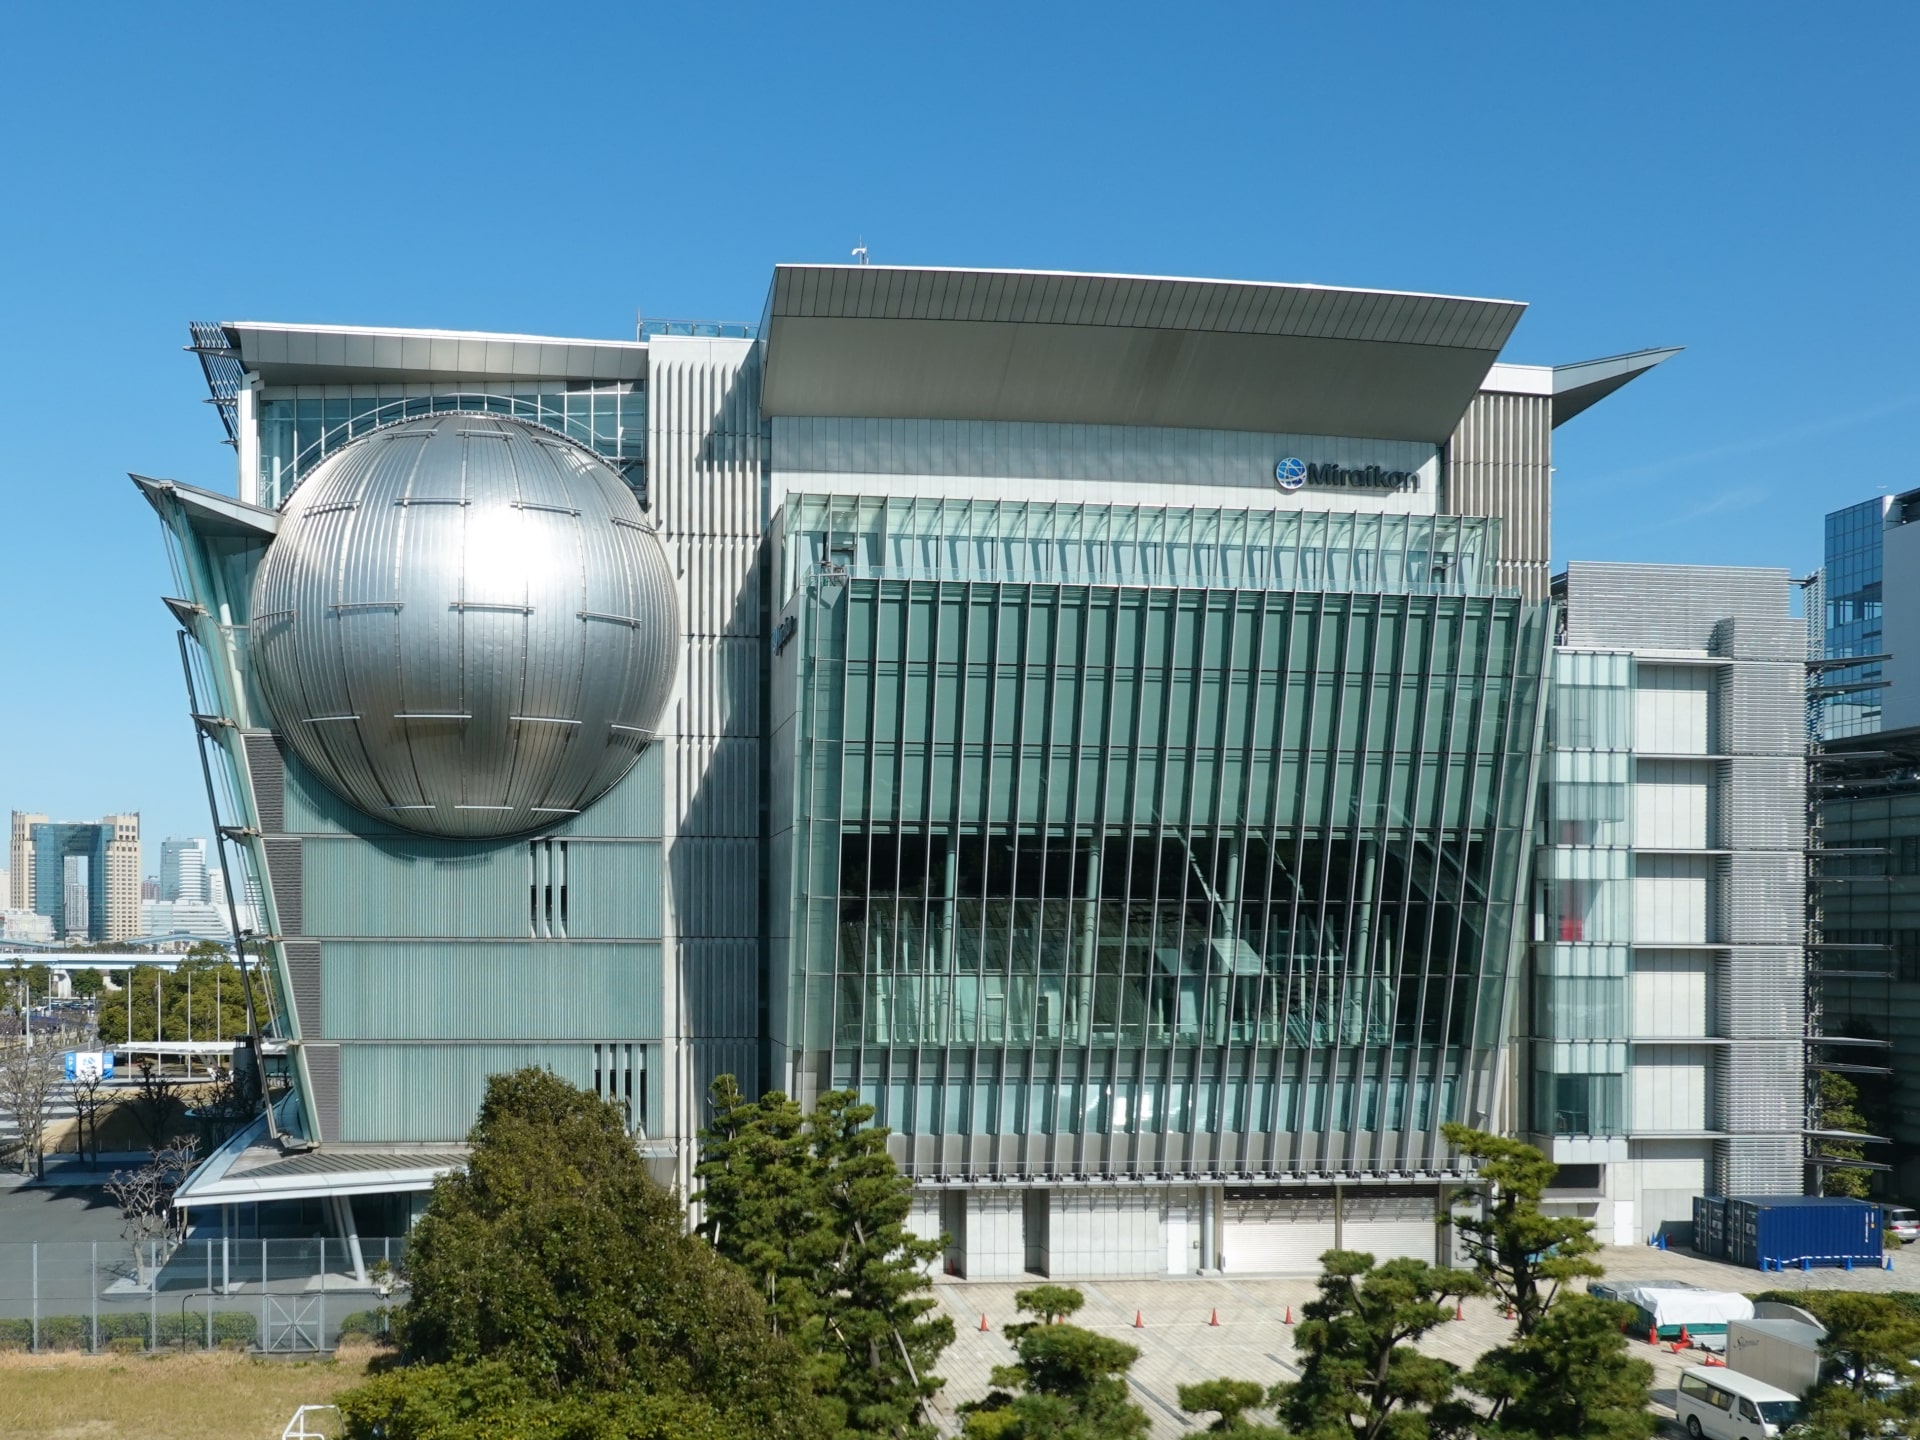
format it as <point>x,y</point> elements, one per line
<point>110,852</point>
<point>1848,701</point>
<point>20,868</point>
<point>150,888</point>
<point>183,870</point>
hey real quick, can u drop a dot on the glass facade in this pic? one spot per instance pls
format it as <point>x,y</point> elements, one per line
<point>1583,900</point>
<point>1851,582</point>
<point>298,431</point>
<point>1155,832</point>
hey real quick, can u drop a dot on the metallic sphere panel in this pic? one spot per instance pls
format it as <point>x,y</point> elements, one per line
<point>465,626</point>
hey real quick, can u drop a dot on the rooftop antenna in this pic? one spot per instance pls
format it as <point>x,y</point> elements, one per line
<point>860,250</point>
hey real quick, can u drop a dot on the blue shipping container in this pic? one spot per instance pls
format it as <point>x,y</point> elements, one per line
<point>1772,1232</point>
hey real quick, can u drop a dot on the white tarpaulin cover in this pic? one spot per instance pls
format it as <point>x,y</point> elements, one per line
<point>1687,1307</point>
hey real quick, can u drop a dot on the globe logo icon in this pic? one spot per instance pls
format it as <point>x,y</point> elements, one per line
<point>1290,473</point>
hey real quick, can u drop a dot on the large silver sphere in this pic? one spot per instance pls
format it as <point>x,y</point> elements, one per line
<point>465,625</point>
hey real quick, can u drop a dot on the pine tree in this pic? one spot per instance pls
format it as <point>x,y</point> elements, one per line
<point>1361,1377</point>
<point>1870,1374</point>
<point>1523,1256</point>
<point>1837,1107</point>
<point>1229,1400</point>
<point>1570,1379</point>
<point>816,1211</point>
<point>1566,1372</point>
<point>1067,1384</point>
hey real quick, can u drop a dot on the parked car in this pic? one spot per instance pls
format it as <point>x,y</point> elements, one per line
<point>1902,1223</point>
<point>1726,1405</point>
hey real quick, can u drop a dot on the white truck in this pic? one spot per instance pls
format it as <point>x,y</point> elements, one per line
<point>1783,1352</point>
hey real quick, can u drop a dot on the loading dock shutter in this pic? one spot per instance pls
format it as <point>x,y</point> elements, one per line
<point>1284,1235</point>
<point>1389,1226</point>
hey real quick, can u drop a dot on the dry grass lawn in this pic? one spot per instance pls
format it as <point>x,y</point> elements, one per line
<point>209,1396</point>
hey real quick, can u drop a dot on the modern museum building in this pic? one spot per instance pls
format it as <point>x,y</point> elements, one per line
<point>1104,721</point>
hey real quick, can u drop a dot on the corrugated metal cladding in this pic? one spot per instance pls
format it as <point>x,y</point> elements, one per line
<point>450,888</point>
<point>1500,463</point>
<point>415,1093</point>
<point>323,1069</point>
<point>397,990</point>
<point>613,889</point>
<point>705,460</point>
<point>285,872</point>
<point>879,292</point>
<point>303,969</point>
<point>269,781</point>
<point>1667,607</point>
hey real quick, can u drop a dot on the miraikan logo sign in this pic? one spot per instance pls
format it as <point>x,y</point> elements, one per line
<point>1293,473</point>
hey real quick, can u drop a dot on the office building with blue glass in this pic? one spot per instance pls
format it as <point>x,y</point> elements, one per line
<point>1099,719</point>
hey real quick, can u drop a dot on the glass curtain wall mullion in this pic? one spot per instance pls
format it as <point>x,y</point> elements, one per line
<point>1244,1000</point>
<point>1448,1053</point>
<point>1401,1048</point>
<point>1314,903</point>
<point>957,1099</point>
<point>1221,608</point>
<point>1339,977</point>
<point>1189,1058</point>
<point>1276,976</point>
<point>1531,655</point>
<point>1137,602</point>
<point>1468,1051</point>
<point>1419,1063</point>
<point>1081,952</point>
<point>1368,822</point>
<point>1166,603</point>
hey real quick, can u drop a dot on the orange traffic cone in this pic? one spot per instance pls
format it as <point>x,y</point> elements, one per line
<point>983,1322</point>
<point>1653,1336</point>
<point>1214,1319</point>
<point>1509,1314</point>
<point>1686,1340</point>
<point>1138,1324</point>
<point>1459,1311</point>
<point>1289,1319</point>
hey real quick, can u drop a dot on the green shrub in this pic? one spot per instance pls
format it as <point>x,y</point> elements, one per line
<point>234,1327</point>
<point>368,1324</point>
<point>124,1325</point>
<point>65,1332</point>
<point>15,1334</point>
<point>126,1345</point>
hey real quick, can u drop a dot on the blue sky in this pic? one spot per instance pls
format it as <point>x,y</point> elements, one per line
<point>1739,180</point>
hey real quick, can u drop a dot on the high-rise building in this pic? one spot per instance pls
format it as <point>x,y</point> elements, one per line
<point>20,871</point>
<point>1097,719</point>
<point>1849,602</point>
<point>183,870</point>
<point>1668,977</point>
<point>96,898</point>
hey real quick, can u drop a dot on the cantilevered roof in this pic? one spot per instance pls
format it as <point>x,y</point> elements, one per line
<point>345,354</point>
<point>897,342</point>
<point>1577,386</point>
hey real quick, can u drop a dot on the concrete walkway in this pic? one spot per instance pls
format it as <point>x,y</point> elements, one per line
<point>1253,1341</point>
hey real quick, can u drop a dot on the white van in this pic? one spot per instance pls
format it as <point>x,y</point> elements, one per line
<point>1725,1405</point>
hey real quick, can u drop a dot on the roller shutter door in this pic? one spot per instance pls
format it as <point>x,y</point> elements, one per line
<point>1275,1236</point>
<point>1389,1226</point>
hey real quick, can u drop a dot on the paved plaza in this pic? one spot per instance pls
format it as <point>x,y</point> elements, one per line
<point>1253,1341</point>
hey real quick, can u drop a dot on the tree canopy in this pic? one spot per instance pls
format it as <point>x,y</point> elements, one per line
<point>815,1211</point>
<point>1566,1372</point>
<point>1067,1383</point>
<point>553,1279</point>
<point>1870,1367</point>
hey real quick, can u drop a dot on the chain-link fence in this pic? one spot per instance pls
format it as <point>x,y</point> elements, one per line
<point>294,1296</point>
